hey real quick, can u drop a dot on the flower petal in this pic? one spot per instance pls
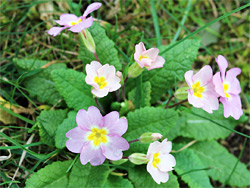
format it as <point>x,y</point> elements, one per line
<point>233,81</point>
<point>167,162</point>
<point>82,25</point>
<point>204,75</point>
<point>91,70</point>
<point>66,18</point>
<point>223,64</point>
<point>100,92</point>
<point>189,79</point>
<point>92,7</point>
<point>86,119</point>
<point>152,53</point>
<point>159,62</point>
<point>163,147</point>
<point>113,150</point>
<point>156,174</point>
<point>218,84</point>
<point>76,140</point>
<point>92,155</point>
<point>54,31</point>
<point>195,101</point>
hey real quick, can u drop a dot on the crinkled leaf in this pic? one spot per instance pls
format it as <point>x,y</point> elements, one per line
<point>178,60</point>
<point>63,128</point>
<point>105,48</point>
<point>72,86</point>
<point>53,176</point>
<point>186,161</point>
<point>117,182</point>
<point>222,162</point>
<point>88,176</point>
<point>203,129</point>
<point>40,85</point>
<point>148,119</point>
<point>141,178</point>
<point>48,123</point>
<point>146,88</point>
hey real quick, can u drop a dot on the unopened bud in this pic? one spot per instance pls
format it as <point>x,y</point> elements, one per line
<point>119,162</point>
<point>181,93</point>
<point>149,137</point>
<point>88,40</point>
<point>138,158</point>
<point>134,70</point>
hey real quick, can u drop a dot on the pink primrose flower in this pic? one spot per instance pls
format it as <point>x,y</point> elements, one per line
<point>228,88</point>
<point>160,161</point>
<point>97,137</point>
<point>148,58</point>
<point>102,77</point>
<point>202,93</point>
<point>74,23</point>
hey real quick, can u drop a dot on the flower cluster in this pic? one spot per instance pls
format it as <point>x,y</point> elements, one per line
<point>204,89</point>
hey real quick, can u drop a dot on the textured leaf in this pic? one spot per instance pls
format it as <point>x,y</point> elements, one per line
<point>146,88</point>
<point>105,48</point>
<point>88,176</point>
<point>117,182</point>
<point>178,60</point>
<point>222,162</point>
<point>49,121</point>
<point>187,160</point>
<point>53,176</point>
<point>40,85</point>
<point>148,119</point>
<point>63,128</point>
<point>202,129</point>
<point>72,86</point>
<point>141,178</point>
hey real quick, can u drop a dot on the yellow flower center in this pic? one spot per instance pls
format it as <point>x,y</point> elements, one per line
<point>156,159</point>
<point>98,136</point>
<point>143,57</point>
<point>100,81</point>
<point>198,89</point>
<point>226,87</point>
<point>75,23</point>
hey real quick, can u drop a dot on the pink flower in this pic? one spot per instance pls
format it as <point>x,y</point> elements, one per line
<point>160,161</point>
<point>202,93</point>
<point>228,88</point>
<point>148,58</point>
<point>76,24</point>
<point>97,137</point>
<point>102,78</point>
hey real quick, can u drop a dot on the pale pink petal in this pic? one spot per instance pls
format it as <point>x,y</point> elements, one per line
<point>156,174</point>
<point>139,48</point>
<point>153,148</point>
<point>54,31</point>
<point>204,75</point>
<point>76,139</point>
<point>223,64</point>
<point>232,106</point>
<point>100,92</point>
<point>92,155</point>
<point>152,53</point>
<point>163,147</point>
<point>105,70</point>
<point>91,70</point>
<point>166,146</point>
<point>113,150</point>
<point>159,62</point>
<point>82,25</point>
<point>92,7</point>
<point>210,102</point>
<point>66,18</point>
<point>234,84</point>
<point>146,62</point>
<point>167,162</point>
<point>195,101</point>
<point>87,119</point>
<point>189,79</point>
<point>113,83</point>
<point>218,84</point>
<point>114,124</point>
<point>234,87</point>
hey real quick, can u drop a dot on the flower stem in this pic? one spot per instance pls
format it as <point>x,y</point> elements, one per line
<point>124,157</point>
<point>172,96</point>
<point>178,103</point>
<point>123,89</point>
<point>99,106</point>
<point>96,56</point>
<point>136,140</point>
<point>185,147</point>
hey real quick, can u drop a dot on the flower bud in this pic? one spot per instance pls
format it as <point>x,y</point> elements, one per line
<point>134,70</point>
<point>138,158</point>
<point>181,93</point>
<point>148,137</point>
<point>119,162</point>
<point>88,40</point>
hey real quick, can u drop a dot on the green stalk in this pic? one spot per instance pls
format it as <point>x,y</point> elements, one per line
<point>156,25</point>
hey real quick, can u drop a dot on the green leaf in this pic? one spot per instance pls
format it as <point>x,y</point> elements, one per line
<point>48,123</point>
<point>178,60</point>
<point>72,86</point>
<point>63,128</point>
<point>187,160</point>
<point>222,162</point>
<point>202,129</point>
<point>148,119</point>
<point>141,178</point>
<point>146,88</point>
<point>53,176</point>
<point>40,85</point>
<point>105,48</point>
<point>88,176</point>
<point>117,182</point>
